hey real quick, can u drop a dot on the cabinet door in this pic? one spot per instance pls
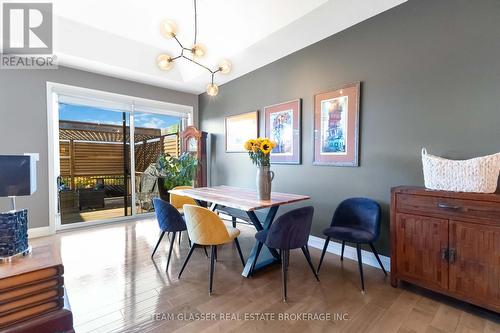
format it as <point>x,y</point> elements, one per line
<point>475,268</point>
<point>420,243</point>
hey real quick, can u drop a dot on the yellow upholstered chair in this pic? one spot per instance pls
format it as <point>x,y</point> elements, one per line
<point>205,228</point>
<point>178,200</point>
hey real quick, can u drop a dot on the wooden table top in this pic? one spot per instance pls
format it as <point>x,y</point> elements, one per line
<point>239,198</point>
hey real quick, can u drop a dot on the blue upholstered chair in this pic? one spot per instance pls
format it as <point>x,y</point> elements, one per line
<point>289,231</point>
<point>356,220</point>
<point>169,220</point>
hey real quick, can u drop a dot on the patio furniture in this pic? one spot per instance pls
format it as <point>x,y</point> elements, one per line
<point>290,231</point>
<point>112,191</point>
<point>206,228</point>
<point>68,200</point>
<point>145,191</point>
<point>90,198</point>
<point>356,220</point>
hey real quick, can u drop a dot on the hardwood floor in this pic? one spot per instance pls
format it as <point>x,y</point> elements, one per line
<point>114,286</point>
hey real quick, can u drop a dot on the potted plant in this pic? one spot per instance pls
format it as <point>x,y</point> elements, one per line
<point>259,150</point>
<point>174,171</point>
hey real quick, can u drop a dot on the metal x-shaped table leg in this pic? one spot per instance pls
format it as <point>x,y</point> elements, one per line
<point>252,263</point>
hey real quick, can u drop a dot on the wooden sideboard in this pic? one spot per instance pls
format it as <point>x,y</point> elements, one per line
<point>447,242</point>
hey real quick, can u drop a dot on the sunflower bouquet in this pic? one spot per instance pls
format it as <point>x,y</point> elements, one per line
<point>259,150</point>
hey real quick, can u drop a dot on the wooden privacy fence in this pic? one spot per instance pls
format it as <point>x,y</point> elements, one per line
<point>92,159</point>
<point>147,152</point>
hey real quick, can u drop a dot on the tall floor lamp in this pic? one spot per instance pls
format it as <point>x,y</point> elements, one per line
<point>17,178</point>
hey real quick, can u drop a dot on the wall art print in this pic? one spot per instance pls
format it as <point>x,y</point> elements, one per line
<point>336,126</point>
<point>282,122</point>
<point>239,128</point>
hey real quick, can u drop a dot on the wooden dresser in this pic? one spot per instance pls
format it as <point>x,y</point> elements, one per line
<point>447,242</point>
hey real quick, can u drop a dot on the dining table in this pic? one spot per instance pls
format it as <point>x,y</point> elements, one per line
<point>261,213</point>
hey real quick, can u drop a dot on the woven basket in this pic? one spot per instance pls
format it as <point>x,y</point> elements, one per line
<point>475,175</point>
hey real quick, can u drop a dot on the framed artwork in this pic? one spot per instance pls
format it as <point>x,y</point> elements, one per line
<point>336,126</point>
<point>239,128</point>
<point>282,123</point>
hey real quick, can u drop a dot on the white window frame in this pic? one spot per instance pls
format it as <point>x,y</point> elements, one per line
<point>96,98</point>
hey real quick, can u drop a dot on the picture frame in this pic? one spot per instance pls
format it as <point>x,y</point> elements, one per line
<point>238,129</point>
<point>283,126</point>
<point>336,126</point>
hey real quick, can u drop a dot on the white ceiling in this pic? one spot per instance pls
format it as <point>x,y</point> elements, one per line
<point>121,37</point>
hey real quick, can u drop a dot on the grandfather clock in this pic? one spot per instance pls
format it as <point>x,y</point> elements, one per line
<point>195,141</point>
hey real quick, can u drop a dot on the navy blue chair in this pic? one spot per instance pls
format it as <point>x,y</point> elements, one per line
<point>169,220</point>
<point>356,220</point>
<point>289,231</point>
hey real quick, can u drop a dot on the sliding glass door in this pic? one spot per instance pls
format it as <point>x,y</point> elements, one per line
<point>95,168</point>
<point>105,152</point>
<point>154,134</point>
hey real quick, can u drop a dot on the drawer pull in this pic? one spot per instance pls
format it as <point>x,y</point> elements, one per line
<point>447,206</point>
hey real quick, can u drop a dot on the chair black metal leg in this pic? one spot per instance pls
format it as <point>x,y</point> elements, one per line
<point>186,260</point>
<point>234,221</point>
<point>239,251</point>
<point>378,258</point>
<point>360,264</point>
<point>287,260</point>
<point>305,250</point>
<point>157,244</point>
<point>180,234</point>
<point>342,253</point>
<point>259,248</point>
<point>284,273</point>
<point>170,251</point>
<point>189,240</point>
<point>205,249</point>
<point>212,267</point>
<point>323,254</point>
<point>216,253</point>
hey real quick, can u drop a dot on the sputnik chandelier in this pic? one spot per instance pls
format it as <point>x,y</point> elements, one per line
<point>165,62</point>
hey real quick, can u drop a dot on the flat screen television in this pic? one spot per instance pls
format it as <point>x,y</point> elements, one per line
<point>17,175</point>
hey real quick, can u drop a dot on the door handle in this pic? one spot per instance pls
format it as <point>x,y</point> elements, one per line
<point>443,205</point>
<point>452,254</point>
<point>444,254</point>
<point>59,182</point>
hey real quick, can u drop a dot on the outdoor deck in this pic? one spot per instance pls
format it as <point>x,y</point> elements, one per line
<point>95,215</point>
<point>113,209</point>
<point>93,155</point>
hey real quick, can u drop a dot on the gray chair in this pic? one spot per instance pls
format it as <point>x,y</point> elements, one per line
<point>290,231</point>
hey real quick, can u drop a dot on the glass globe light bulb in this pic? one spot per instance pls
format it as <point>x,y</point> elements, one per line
<point>164,61</point>
<point>225,66</point>
<point>168,29</point>
<point>198,50</point>
<point>212,89</point>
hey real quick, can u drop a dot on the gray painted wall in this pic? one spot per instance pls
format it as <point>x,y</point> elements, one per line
<point>430,73</point>
<point>23,119</point>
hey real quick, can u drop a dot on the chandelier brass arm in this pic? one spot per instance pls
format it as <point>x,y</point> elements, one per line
<point>165,61</point>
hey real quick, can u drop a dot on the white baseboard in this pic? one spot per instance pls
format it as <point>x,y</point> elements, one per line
<point>367,257</point>
<point>39,232</point>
